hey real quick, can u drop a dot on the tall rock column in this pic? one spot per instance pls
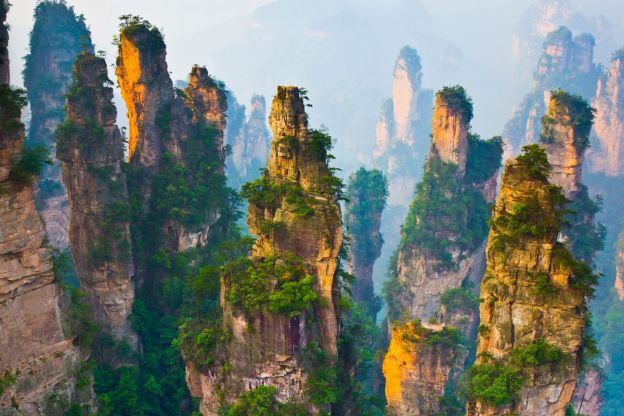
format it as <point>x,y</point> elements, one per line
<point>58,36</point>
<point>280,304</point>
<point>607,154</point>
<point>91,150</point>
<point>533,300</point>
<point>367,192</point>
<point>567,63</point>
<point>439,260</point>
<point>38,358</point>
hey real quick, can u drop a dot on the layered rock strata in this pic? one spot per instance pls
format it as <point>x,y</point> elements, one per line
<point>38,359</point>
<point>533,298</point>
<point>58,36</point>
<point>440,257</point>
<point>91,150</point>
<point>296,218</point>
<point>566,63</point>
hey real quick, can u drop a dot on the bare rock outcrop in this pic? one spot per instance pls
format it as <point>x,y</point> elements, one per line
<point>57,38</point>
<point>91,150</point>
<point>38,358</point>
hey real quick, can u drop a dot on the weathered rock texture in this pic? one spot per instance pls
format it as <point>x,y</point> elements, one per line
<point>91,150</point>
<point>402,139</point>
<point>442,249</point>
<point>248,138</point>
<point>34,345</point>
<point>272,352</point>
<point>171,139</point>
<point>58,36</point>
<point>533,291</point>
<point>566,63</point>
<point>607,152</point>
<point>367,191</point>
<point>619,267</point>
<point>587,398</point>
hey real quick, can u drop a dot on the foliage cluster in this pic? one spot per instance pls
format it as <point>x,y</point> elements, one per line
<point>498,381</point>
<point>445,215</point>
<point>457,100</point>
<point>268,193</point>
<point>261,401</point>
<point>484,158</point>
<point>413,332</point>
<point>459,299</point>
<point>7,380</point>
<point>11,103</point>
<point>30,164</point>
<point>279,282</point>
<point>566,106</point>
<point>147,36</point>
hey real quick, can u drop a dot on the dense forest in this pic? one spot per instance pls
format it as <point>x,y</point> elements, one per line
<point>211,259</point>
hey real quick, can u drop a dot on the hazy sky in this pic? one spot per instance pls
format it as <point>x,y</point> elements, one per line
<point>343,51</point>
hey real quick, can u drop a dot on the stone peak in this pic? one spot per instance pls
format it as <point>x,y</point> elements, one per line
<point>90,70</point>
<point>288,117</point>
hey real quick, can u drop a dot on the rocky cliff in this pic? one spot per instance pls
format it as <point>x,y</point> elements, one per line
<point>91,150</point>
<point>58,36</point>
<point>402,137</point>
<point>566,63</point>
<point>248,139</point>
<point>533,300</point>
<point>367,191</point>
<point>175,144</point>
<point>441,256</point>
<point>280,304</point>
<point>39,360</point>
<point>607,153</point>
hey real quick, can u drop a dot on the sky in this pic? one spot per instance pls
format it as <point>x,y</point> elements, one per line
<point>343,51</point>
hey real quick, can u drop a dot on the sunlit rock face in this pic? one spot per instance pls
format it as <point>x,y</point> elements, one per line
<point>566,63</point>
<point>36,342</point>
<point>434,283</point>
<point>58,36</point>
<point>515,310</point>
<point>248,138</point>
<point>165,123</point>
<point>91,150</point>
<point>271,353</point>
<point>607,152</point>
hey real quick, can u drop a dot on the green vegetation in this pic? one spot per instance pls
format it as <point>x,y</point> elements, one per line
<point>459,299</point>
<point>586,236</point>
<point>322,383</point>
<point>457,100</point>
<point>498,381</point>
<point>569,109</point>
<point>11,103</point>
<point>415,333</point>
<point>7,380</point>
<point>146,35</point>
<point>261,401</point>
<point>268,193</point>
<point>583,277</point>
<point>281,283</point>
<point>484,158</point>
<point>443,207</point>
<point>30,164</point>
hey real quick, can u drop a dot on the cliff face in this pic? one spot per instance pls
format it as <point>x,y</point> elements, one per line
<point>248,138</point>
<point>607,153</point>
<point>367,191</point>
<point>58,36</point>
<point>533,299</point>
<point>440,257</point>
<point>297,220</point>
<point>91,150</point>
<point>566,63</point>
<point>38,358</point>
<point>168,137</point>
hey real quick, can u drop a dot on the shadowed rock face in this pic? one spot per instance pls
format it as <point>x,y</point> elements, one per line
<point>91,150</point>
<point>566,63</point>
<point>249,139</point>
<point>271,353</point>
<point>529,293</point>
<point>35,346</point>
<point>416,370</point>
<point>607,152</point>
<point>58,36</point>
